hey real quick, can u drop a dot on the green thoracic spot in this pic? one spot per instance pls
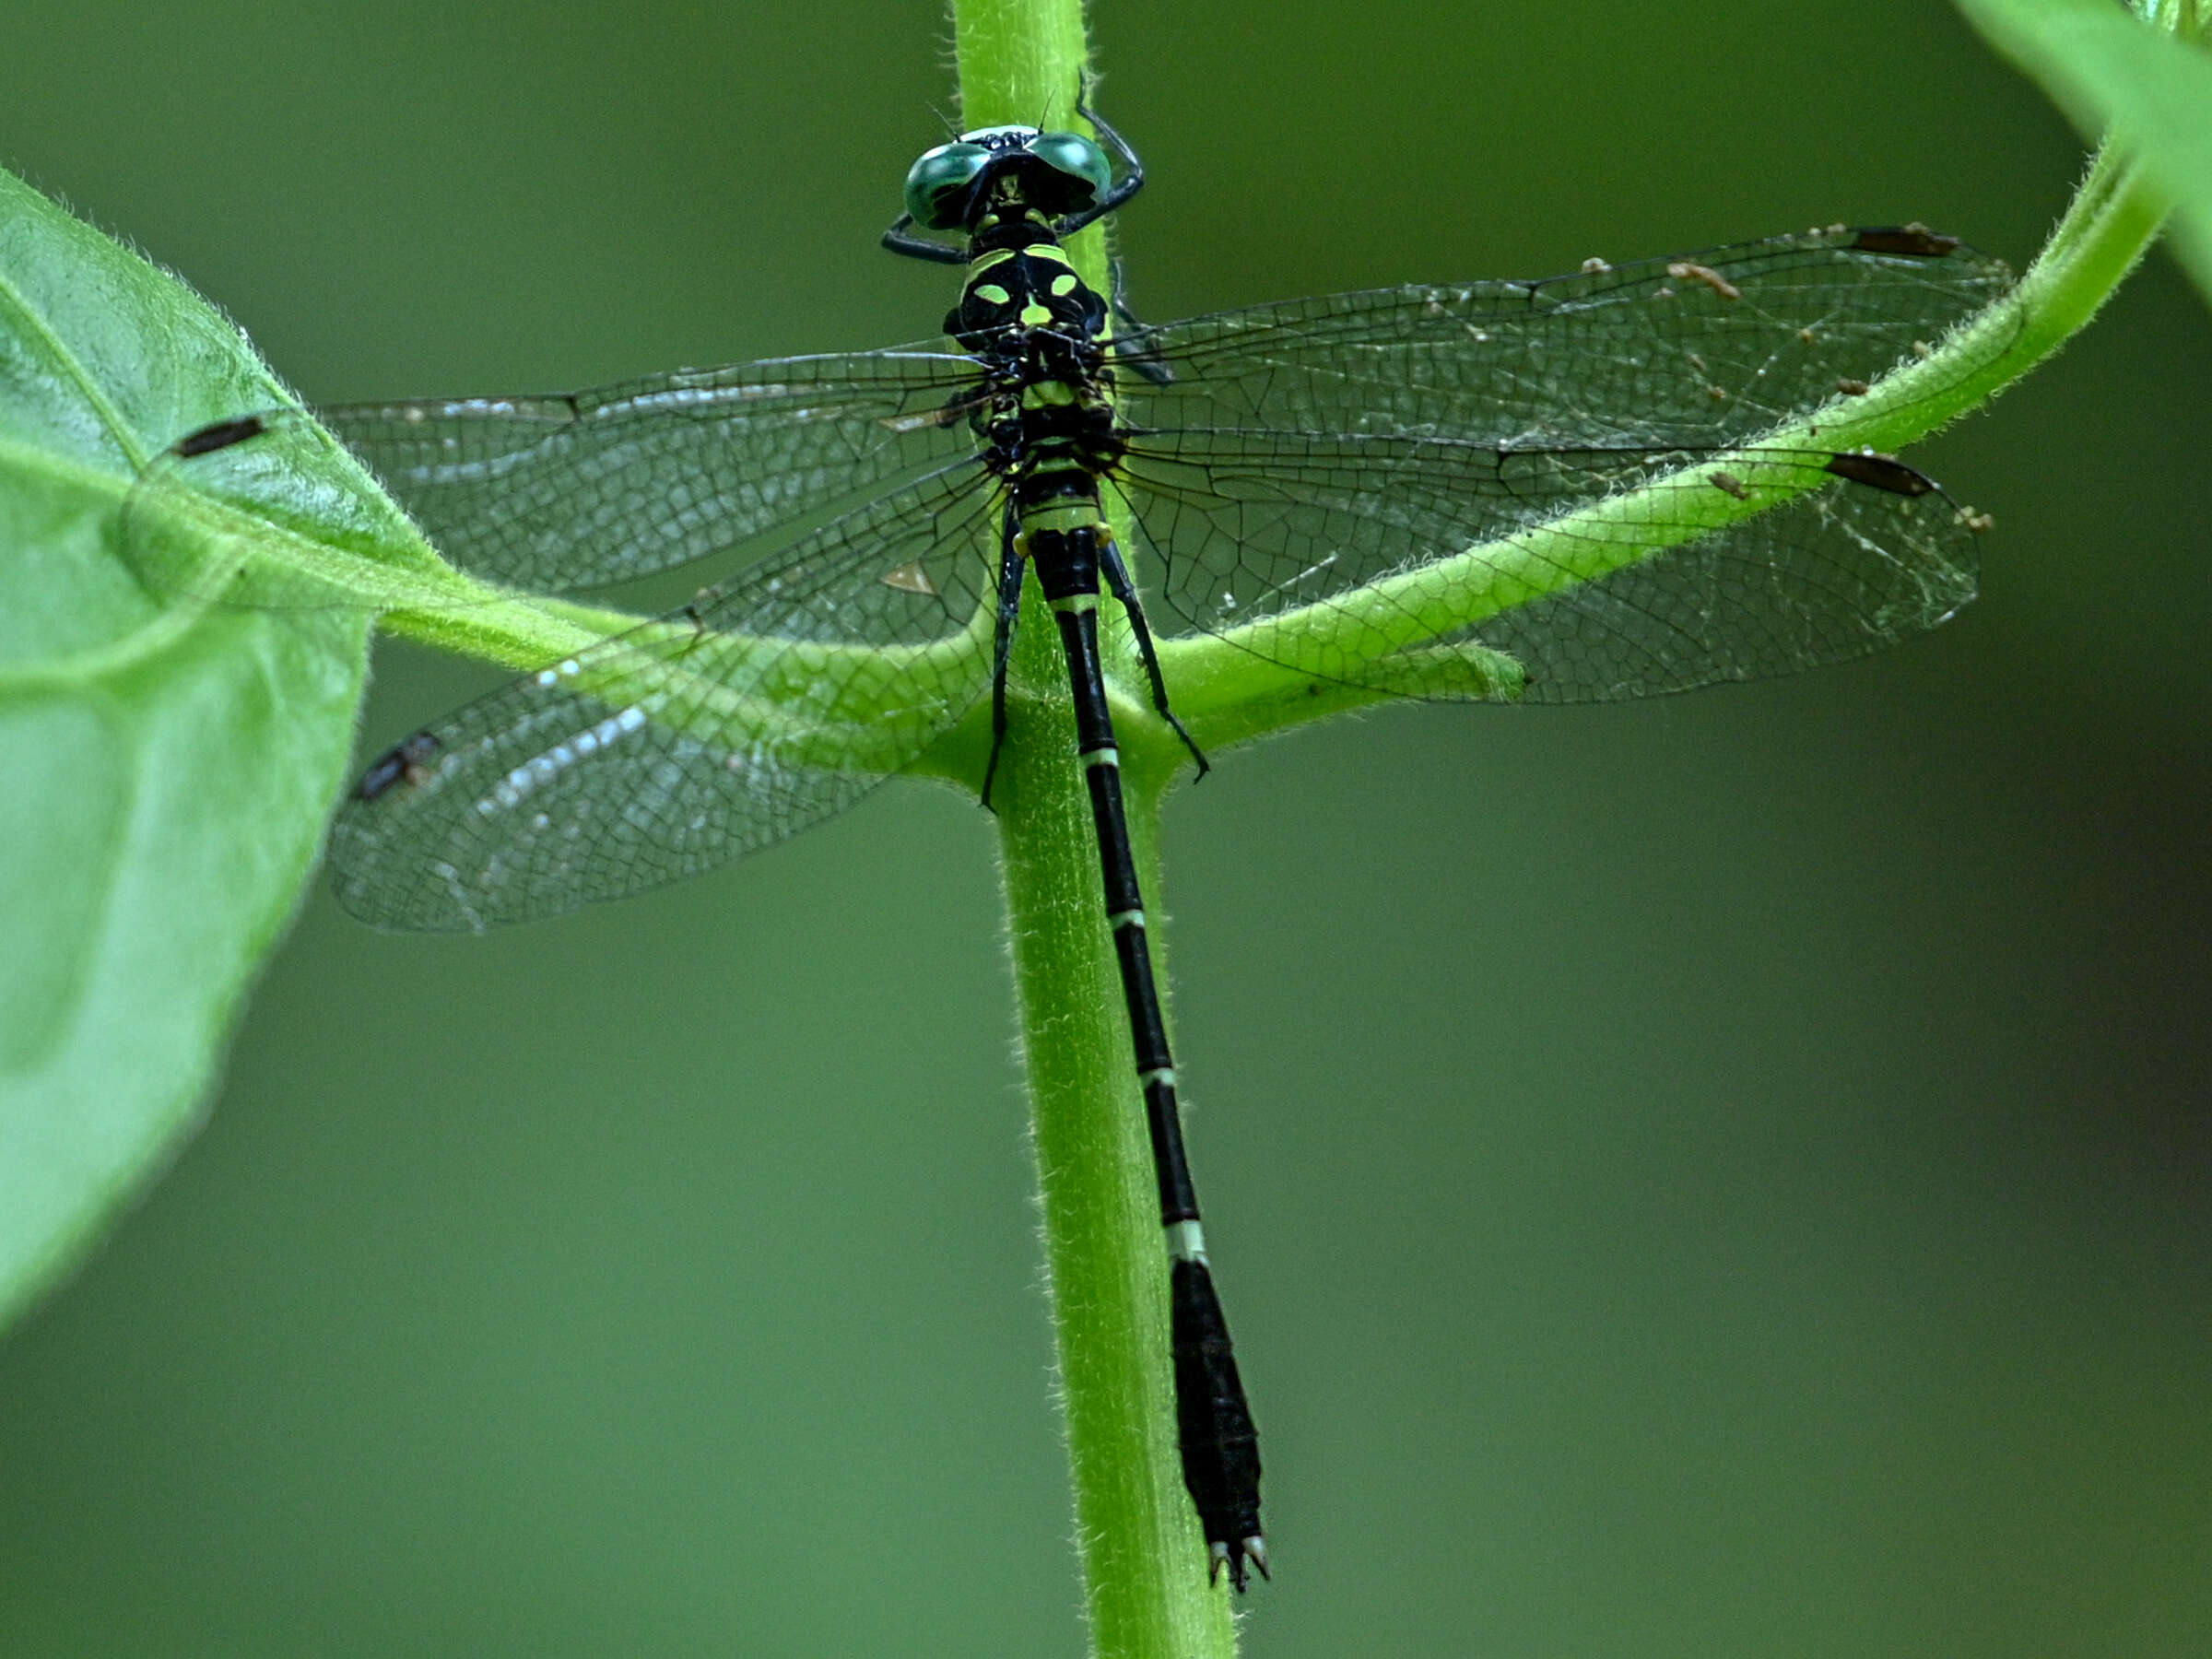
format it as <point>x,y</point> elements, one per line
<point>990,291</point>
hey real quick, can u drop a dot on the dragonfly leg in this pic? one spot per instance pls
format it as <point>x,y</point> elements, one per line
<point>1132,181</point>
<point>1010,567</point>
<point>1125,321</point>
<point>899,240</point>
<point>1124,590</point>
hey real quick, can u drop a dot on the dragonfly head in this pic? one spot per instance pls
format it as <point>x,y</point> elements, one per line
<point>1055,174</point>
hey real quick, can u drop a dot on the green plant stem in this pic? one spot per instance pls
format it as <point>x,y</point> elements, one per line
<point>1144,1560</point>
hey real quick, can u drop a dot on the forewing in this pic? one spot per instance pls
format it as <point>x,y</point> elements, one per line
<point>1599,572</point>
<point>1707,349</point>
<point>771,702</point>
<point>592,487</point>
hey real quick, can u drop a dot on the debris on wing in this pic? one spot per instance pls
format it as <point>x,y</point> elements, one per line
<point>1688,270</point>
<point>1916,241</point>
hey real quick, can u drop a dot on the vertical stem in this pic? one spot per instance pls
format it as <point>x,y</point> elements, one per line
<point>1019,61</point>
<point>1143,1560</point>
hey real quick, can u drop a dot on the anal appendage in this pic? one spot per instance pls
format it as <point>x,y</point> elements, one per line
<point>1220,1447</point>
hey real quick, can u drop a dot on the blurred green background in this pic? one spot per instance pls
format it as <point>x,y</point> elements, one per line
<point>1722,1177</point>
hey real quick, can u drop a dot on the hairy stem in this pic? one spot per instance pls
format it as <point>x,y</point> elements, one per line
<point>1143,1562</point>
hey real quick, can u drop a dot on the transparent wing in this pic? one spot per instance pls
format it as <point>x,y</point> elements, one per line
<point>264,513</point>
<point>592,487</point>
<point>1259,539</point>
<point>1704,348</point>
<point>772,702</point>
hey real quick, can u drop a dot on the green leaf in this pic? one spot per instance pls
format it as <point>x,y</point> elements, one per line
<point>2108,69</point>
<point>168,764</point>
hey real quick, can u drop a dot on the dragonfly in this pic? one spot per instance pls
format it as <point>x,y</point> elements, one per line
<point>1260,466</point>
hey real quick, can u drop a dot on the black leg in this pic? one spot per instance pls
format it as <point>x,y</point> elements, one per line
<point>1132,181</point>
<point>1010,567</point>
<point>1125,337</point>
<point>920,247</point>
<point>1124,590</point>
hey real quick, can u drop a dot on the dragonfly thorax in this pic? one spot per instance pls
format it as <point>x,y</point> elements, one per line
<point>1026,292</point>
<point>1034,325</point>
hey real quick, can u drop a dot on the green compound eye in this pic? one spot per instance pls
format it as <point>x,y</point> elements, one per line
<point>936,185</point>
<point>1062,172</point>
<point>1082,163</point>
